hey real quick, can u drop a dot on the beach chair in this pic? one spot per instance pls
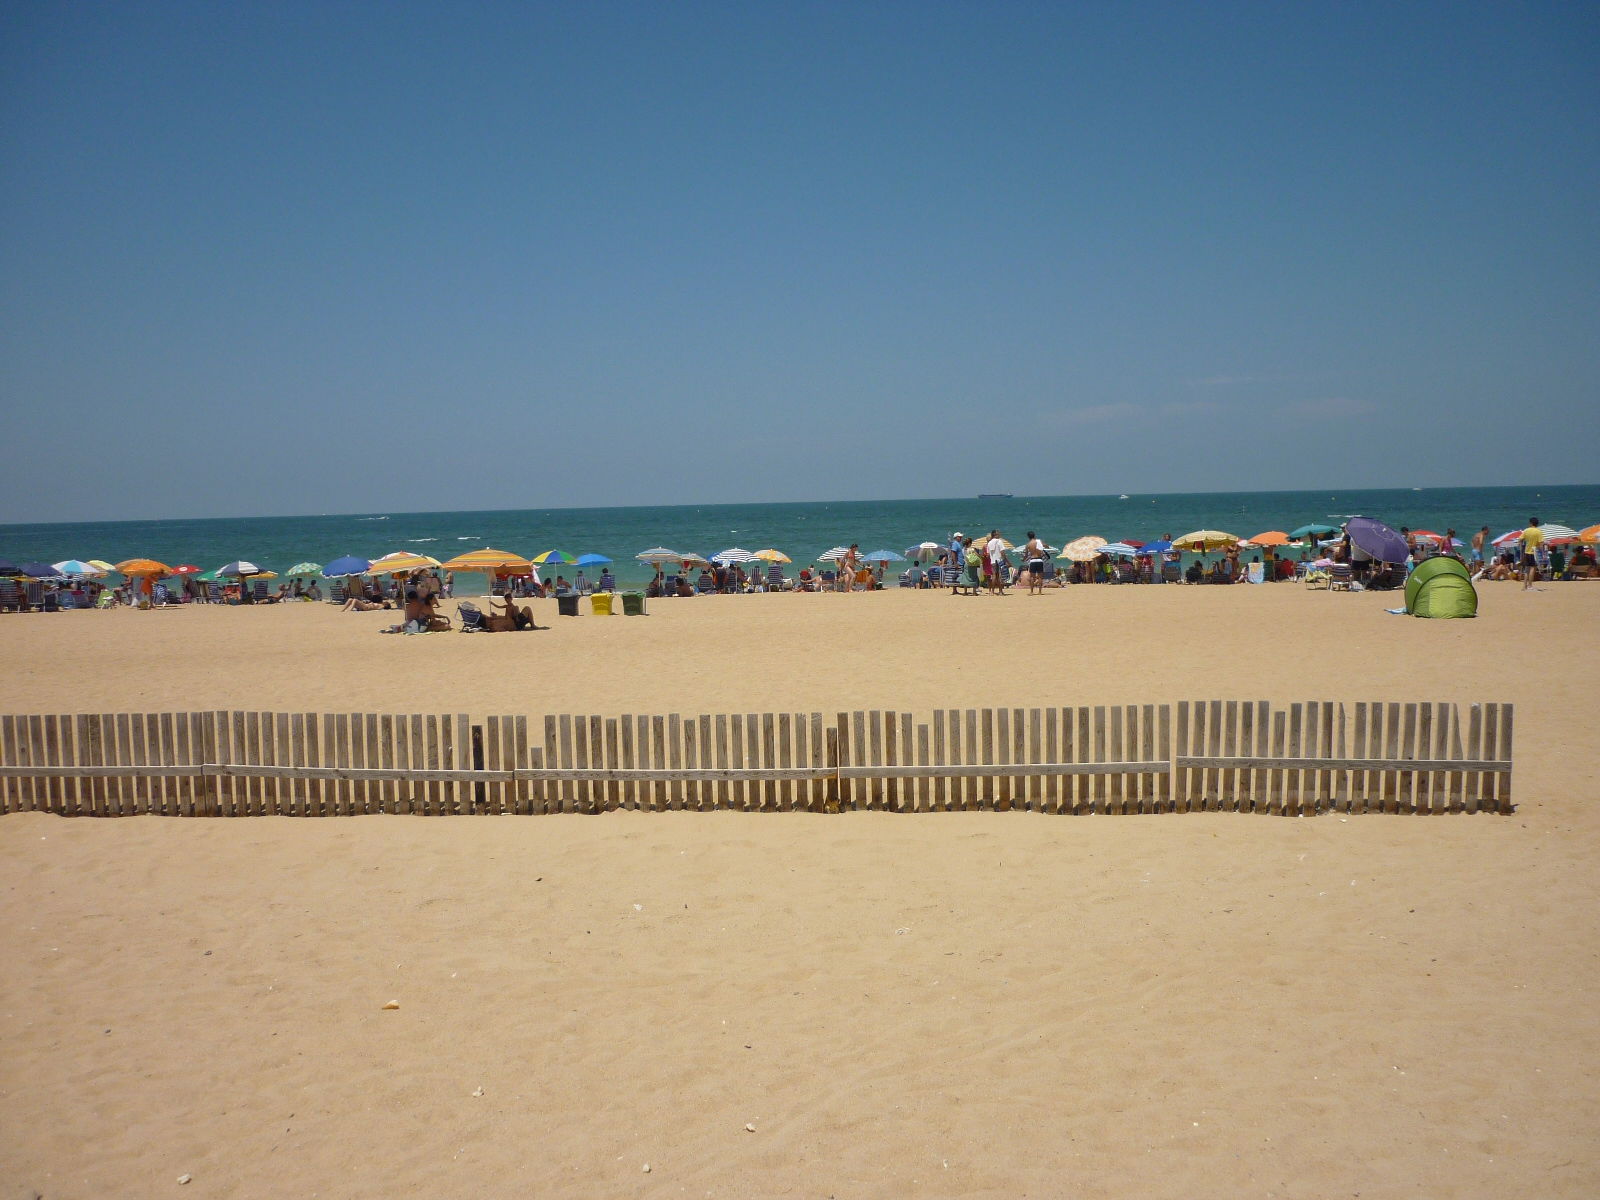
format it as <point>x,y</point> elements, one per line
<point>35,593</point>
<point>470,615</point>
<point>830,580</point>
<point>1127,572</point>
<point>1341,578</point>
<point>1256,573</point>
<point>906,581</point>
<point>954,580</point>
<point>1171,573</point>
<point>11,596</point>
<point>777,581</point>
<point>106,599</point>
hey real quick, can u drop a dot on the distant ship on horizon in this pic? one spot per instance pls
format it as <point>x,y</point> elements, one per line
<point>994,496</point>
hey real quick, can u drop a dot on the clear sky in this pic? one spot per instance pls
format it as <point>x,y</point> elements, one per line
<point>332,257</point>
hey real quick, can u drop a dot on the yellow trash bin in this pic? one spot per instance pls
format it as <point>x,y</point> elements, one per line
<point>600,604</point>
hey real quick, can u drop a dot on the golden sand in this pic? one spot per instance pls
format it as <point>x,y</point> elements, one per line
<point>972,1004</point>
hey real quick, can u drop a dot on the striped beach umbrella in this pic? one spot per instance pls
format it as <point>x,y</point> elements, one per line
<point>553,556</point>
<point>402,563</point>
<point>733,555</point>
<point>488,561</point>
<point>73,566</point>
<point>658,554</point>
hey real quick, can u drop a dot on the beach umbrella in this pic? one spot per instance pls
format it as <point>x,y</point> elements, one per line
<point>658,554</point>
<point>884,556</point>
<point>241,568</point>
<point>1273,537</point>
<point>304,568</point>
<point>100,565</point>
<point>402,563</point>
<point>186,569</point>
<point>834,555</point>
<point>7,567</point>
<point>1203,540</point>
<point>693,559</point>
<point>1119,549</point>
<point>1159,546</point>
<point>773,556</point>
<point>348,565</point>
<point>1313,530</point>
<point>73,566</point>
<point>1559,533</point>
<point>733,555</point>
<point>1589,535</point>
<point>553,556</point>
<point>1082,549</point>
<point>924,552</point>
<point>593,560</point>
<point>209,576</point>
<point>142,566</point>
<point>1505,539</point>
<point>488,561</point>
<point>39,570</point>
<point>1378,540</point>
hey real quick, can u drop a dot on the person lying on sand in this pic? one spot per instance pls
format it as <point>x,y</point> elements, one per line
<point>358,604</point>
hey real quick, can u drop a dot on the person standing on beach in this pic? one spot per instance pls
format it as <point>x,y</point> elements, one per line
<point>1532,539</point>
<point>1478,540</point>
<point>995,554</point>
<point>1034,552</point>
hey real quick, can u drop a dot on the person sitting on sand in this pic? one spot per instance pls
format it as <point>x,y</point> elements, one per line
<point>1196,573</point>
<point>510,618</point>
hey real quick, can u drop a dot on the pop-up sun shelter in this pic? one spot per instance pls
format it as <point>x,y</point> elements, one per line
<point>1441,587</point>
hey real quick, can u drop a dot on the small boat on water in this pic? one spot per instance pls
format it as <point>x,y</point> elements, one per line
<point>994,496</point>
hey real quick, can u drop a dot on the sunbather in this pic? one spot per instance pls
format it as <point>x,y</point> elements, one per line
<point>509,618</point>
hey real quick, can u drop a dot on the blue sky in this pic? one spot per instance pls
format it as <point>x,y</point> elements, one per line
<point>349,257</point>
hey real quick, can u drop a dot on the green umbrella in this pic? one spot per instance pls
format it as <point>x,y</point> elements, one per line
<point>1313,528</point>
<point>553,556</point>
<point>305,568</point>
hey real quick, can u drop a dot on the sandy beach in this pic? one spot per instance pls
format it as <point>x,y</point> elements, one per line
<point>861,1005</point>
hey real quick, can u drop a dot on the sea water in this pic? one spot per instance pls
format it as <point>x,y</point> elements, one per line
<point>801,530</point>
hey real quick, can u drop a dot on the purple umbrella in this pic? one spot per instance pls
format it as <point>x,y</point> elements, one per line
<point>1378,540</point>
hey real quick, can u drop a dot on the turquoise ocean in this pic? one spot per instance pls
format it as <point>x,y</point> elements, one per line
<point>801,530</point>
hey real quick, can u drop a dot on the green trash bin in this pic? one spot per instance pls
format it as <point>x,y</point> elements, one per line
<point>633,604</point>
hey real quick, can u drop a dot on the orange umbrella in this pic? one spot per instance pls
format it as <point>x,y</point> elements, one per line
<point>1273,537</point>
<point>488,562</point>
<point>1590,535</point>
<point>143,566</point>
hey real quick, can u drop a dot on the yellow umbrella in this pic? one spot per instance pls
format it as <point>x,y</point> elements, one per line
<point>98,565</point>
<point>777,556</point>
<point>1202,540</point>
<point>142,566</point>
<point>1082,549</point>
<point>487,562</point>
<point>401,563</point>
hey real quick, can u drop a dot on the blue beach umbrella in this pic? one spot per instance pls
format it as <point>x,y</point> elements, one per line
<point>1378,540</point>
<point>883,556</point>
<point>39,570</point>
<point>1313,529</point>
<point>553,556</point>
<point>593,560</point>
<point>348,565</point>
<point>7,567</point>
<point>73,566</point>
<point>1159,546</point>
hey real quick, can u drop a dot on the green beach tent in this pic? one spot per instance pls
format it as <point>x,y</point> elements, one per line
<point>1441,587</point>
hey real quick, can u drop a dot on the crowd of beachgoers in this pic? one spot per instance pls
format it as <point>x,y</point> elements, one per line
<point>1373,555</point>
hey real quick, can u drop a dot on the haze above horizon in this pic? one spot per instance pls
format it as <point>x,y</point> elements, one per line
<point>306,258</point>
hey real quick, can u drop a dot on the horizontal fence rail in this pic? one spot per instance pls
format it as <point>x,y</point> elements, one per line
<point>1196,756</point>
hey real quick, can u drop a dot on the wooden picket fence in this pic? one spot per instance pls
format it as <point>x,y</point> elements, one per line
<point>1235,756</point>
